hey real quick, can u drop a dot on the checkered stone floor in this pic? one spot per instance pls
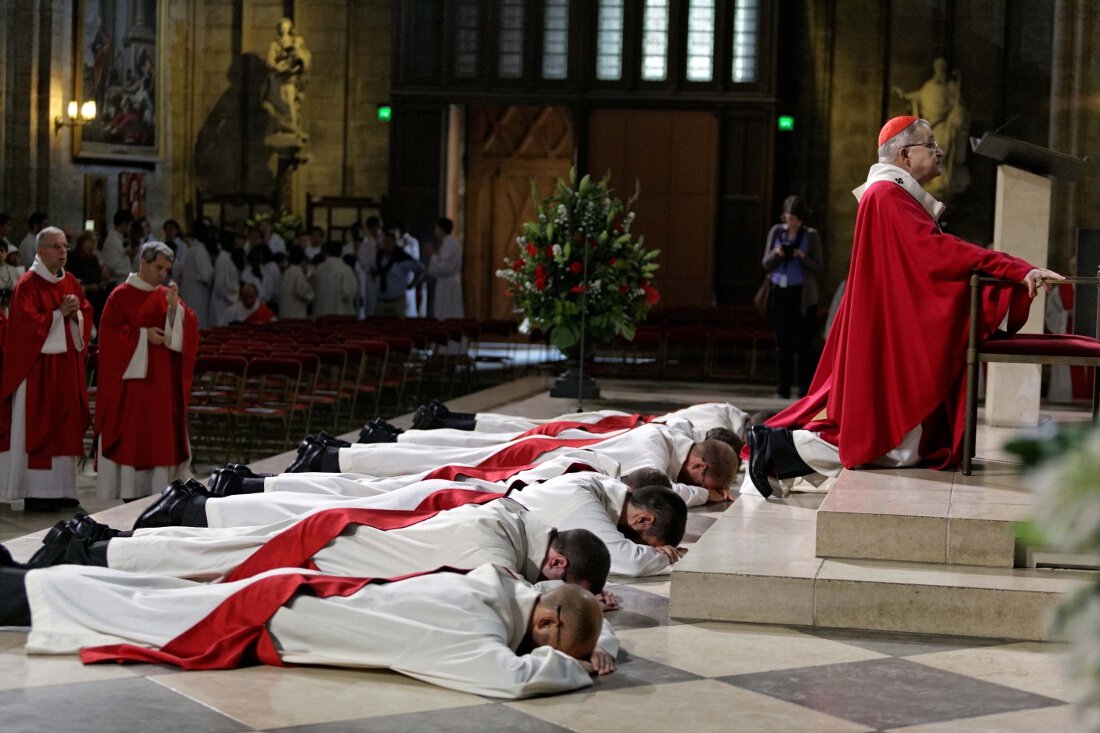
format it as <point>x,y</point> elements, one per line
<point>672,675</point>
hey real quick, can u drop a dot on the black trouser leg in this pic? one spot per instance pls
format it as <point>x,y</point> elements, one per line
<point>785,307</point>
<point>14,608</point>
<point>194,512</point>
<point>330,461</point>
<point>460,421</point>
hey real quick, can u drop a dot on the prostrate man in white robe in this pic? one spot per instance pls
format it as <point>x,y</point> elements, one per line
<point>638,518</point>
<point>486,632</point>
<point>361,543</point>
<point>437,418</point>
<point>705,469</point>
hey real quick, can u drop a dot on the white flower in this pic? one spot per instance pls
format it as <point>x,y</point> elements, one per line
<point>556,249</point>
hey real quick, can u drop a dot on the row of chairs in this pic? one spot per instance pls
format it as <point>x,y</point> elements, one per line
<point>690,352</point>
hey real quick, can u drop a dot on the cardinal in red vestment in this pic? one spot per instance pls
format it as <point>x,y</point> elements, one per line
<point>43,398</point>
<point>148,340</point>
<point>889,389</point>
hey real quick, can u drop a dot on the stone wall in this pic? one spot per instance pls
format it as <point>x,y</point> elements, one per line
<point>213,58</point>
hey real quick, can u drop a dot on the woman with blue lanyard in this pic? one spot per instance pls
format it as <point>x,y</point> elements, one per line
<point>793,260</point>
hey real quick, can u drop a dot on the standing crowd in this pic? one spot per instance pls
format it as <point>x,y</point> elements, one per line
<point>130,309</point>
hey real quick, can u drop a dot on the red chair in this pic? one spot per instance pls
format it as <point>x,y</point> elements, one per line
<point>216,390</point>
<point>1023,348</point>
<point>270,400</point>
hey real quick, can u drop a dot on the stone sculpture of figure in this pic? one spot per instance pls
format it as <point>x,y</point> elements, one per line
<point>288,63</point>
<point>939,101</point>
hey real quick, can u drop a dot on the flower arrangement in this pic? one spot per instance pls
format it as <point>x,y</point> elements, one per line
<point>286,224</point>
<point>578,257</point>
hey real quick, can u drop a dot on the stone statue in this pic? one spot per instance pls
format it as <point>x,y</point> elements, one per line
<point>288,63</point>
<point>939,101</point>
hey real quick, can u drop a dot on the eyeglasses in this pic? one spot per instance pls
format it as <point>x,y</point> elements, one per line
<point>931,145</point>
<point>557,612</point>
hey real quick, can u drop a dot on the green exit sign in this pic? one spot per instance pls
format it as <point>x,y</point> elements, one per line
<point>385,112</point>
<point>785,123</point>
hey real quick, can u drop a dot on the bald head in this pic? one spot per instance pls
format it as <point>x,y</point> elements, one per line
<point>568,619</point>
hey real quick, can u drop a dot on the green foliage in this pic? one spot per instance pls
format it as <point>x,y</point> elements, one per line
<point>579,256</point>
<point>285,223</point>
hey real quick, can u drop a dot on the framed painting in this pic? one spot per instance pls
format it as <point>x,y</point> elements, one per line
<point>131,193</point>
<point>118,54</point>
<point>95,202</point>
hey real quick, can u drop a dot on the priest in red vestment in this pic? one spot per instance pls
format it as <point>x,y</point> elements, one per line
<point>43,399</point>
<point>148,339</point>
<point>248,309</point>
<point>890,387</point>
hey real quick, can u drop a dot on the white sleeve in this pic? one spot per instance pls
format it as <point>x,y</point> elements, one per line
<point>173,329</point>
<point>608,641</point>
<point>692,495</point>
<point>55,339</point>
<point>139,360</point>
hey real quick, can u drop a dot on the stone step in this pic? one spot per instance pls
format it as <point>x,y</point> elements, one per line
<point>925,516</point>
<point>757,564</point>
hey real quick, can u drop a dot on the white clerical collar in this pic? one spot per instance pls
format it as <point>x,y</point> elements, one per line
<point>135,280</point>
<point>902,177</point>
<point>39,268</point>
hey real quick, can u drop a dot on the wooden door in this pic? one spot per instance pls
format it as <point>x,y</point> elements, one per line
<point>506,148</point>
<point>672,155</point>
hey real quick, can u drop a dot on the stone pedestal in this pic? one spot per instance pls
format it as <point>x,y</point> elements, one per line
<point>1021,228</point>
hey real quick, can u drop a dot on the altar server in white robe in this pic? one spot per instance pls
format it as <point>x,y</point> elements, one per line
<point>641,529</point>
<point>486,632</point>
<point>709,466</point>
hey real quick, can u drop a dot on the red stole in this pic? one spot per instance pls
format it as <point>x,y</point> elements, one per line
<point>295,546</point>
<point>143,422</point>
<point>57,399</point>
<point>896,355</point>
<point>608,424</point>
<point>235,633</point>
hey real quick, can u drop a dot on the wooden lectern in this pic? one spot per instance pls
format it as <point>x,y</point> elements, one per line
<point>1022,228</point>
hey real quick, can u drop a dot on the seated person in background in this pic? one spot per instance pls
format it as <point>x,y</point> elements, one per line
<point>249,309</point>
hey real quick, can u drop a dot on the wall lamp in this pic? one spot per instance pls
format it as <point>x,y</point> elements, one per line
<point>78,115</point>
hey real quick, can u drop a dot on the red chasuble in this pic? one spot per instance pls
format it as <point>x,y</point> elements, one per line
<point>57,400</point>
<point>143,422</point>
<point>896,355</point>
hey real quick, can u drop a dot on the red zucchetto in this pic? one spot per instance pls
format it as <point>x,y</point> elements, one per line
<point>894,126</point>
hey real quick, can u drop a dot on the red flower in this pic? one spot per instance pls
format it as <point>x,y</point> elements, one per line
<point>518,265</point>
<point>549,251</point>
<point>576,268</point>
<point>577,289</point>
<point>652,295</point>
<point>540,277</point>
<point>619,228</point>
<point>612,261</point>
<point>532,250</point>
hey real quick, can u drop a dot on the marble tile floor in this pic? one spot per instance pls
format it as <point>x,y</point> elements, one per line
<point>672,674</point>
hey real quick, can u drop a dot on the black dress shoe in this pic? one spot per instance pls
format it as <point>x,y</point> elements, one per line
<point>224,482</point>
<point>331,441</point>
<point>384,426</point>
<point>375,434</point>
<point>167,511</point>
<point>759,465</point>
<point>309,457</point>
<point>425,419</point>
<point>245,471</point>
<point>53,547</point>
